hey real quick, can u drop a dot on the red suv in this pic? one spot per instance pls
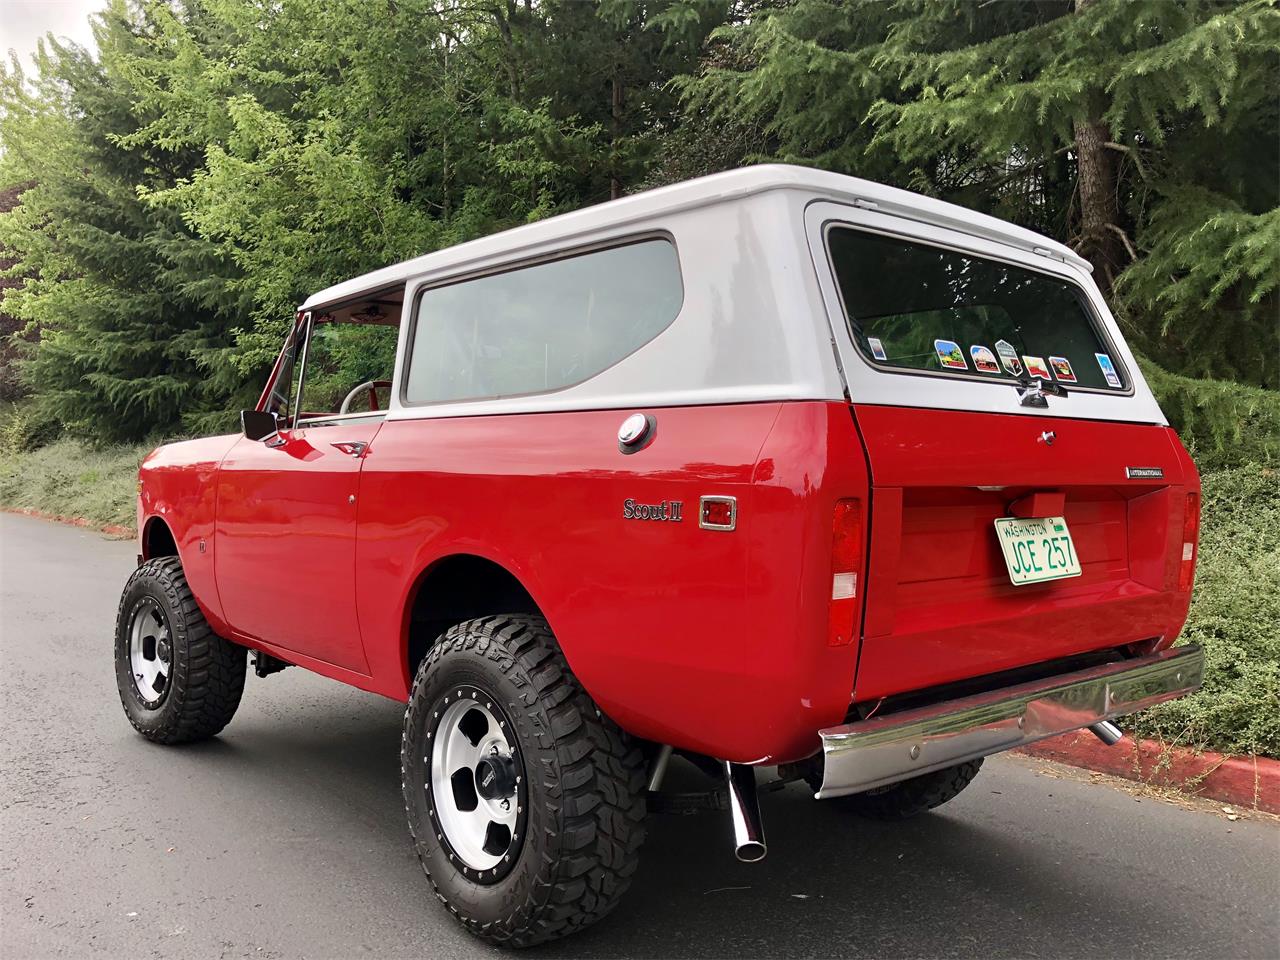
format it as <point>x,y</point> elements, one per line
<point>772,468</point>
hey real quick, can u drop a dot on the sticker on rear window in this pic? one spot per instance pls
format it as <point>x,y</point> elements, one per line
<point>1108,369</point>
<point>877,348</point>
<point>1009,357</point>
<point>984,361</point>
<point>1062,369</point>
<point>950,355</point>
<point>1036,367</point>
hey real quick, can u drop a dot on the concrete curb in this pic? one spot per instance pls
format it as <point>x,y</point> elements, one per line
<point>1251,782</point>
<point>112,529</point>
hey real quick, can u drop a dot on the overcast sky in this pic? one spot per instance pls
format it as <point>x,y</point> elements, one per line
<point>23,22</point>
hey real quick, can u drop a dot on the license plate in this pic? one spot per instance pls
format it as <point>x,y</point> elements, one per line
<point>1037,549</point>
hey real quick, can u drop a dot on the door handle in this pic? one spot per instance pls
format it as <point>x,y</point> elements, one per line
<point>355,448</point>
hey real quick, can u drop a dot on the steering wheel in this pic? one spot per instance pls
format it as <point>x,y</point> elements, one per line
<point>372,387</point>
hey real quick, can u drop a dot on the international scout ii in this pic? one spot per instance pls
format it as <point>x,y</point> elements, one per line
<point>774,468</point>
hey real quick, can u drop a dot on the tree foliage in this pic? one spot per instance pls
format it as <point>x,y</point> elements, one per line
<point>130,338</point>
<point>1143,133</point>
<point>216,160</point>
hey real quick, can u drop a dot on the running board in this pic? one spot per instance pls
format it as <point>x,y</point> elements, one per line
<point>874,753</point>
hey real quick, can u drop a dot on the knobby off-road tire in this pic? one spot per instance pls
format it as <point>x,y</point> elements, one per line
<point>579,800</point>
<point>205,675</point>
<point>908,798</point>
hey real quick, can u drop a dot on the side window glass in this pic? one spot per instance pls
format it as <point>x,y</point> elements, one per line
<point>349,368</point>
<point>543,327</point>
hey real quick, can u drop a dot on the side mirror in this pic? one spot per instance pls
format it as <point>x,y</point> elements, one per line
<point>259,424</point>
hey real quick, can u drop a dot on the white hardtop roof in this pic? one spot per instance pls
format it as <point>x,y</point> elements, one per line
<point>727,187</point>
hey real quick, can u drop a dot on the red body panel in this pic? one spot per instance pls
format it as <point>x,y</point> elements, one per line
<point>940,606</point>
<point>286,538</point>
<point>714,641</point>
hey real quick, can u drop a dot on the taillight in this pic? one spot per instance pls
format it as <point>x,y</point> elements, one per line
<point>1190,537</point>
<point>846,565</point>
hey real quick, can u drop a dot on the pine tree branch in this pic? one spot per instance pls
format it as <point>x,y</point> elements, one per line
<point>1124,238</point>
<point>1133,154</point>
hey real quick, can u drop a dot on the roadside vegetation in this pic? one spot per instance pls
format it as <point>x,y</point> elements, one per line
<point>1235,616</point>
<point>70,479</point>
<point>167,200</point>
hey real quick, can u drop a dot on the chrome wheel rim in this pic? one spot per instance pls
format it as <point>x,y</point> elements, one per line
<point>475,786</point>
<point>150,650</point>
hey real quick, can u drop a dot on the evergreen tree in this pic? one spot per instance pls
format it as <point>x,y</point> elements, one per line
<point>130,340</point>
<point>1096,121</point>
<point>340,137</point>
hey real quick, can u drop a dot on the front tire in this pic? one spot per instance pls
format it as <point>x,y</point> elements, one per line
<point>526,805</point>
<point>178,680</point>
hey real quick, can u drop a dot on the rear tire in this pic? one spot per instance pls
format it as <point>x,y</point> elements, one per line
<point>909,798</point>
<point>548,845</point>
<point>178,680</point>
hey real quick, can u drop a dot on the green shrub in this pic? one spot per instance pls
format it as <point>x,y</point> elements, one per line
<point>23,429</point>
<point>1235,616</point>
<point>1222,424</point>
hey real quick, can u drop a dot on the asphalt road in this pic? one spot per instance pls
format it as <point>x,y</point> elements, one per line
<point>285,836</point>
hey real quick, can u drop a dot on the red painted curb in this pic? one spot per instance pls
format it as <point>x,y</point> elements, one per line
<point>113,529</point>
<point>1252,782</point>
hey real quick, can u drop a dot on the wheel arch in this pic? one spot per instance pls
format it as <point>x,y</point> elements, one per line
<point>158,539</point>
<point>454,588</point>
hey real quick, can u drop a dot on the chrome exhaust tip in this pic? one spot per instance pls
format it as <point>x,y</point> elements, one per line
<point>748,830</point>
<point>750,852</point>
<point>1107,732</point>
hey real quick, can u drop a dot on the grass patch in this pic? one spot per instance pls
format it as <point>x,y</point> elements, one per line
<point>69,478</point>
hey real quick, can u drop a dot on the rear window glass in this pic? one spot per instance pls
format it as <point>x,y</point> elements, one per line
<point>542,327</point>
<point>916,307</point>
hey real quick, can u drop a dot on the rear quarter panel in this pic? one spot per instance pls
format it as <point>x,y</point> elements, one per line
<point>704,639</point>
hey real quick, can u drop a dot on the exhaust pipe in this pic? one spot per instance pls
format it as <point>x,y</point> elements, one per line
<point>1107,732</point>
<point>659,768</point>
<point>748,832</point>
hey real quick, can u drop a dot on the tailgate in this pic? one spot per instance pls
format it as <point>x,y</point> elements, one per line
<point>939,604</point>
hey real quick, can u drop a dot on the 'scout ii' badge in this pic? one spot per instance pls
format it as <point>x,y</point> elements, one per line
<point>668,510</point>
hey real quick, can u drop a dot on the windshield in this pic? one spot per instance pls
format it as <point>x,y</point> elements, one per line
<point>916,307</point>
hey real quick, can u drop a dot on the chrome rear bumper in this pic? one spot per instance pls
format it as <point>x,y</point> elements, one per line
<point>873,753</point>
